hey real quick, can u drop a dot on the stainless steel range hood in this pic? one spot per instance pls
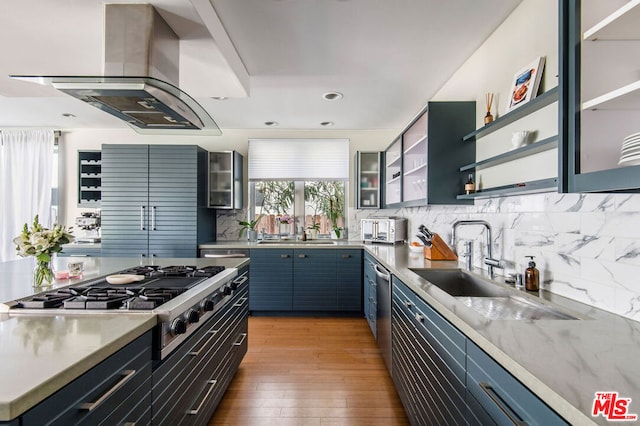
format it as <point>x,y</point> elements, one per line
<point>140,65</point>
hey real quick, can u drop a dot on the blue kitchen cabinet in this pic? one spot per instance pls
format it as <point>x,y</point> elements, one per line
<point>370,292</point>
<point>271,275</point>
<point>500,396</point>
<point>315,281</point>
<point>428,361</point>
<point>154,200</point>
<point>306,280</point>
<point>116,391</point>
<point>349,277</point>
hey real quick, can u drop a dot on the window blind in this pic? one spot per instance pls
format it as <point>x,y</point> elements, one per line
<point>298,159</point>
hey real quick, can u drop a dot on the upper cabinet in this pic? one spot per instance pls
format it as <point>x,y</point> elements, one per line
<point>89,178</point>
<point>600,95</point>
<point>225,180</point>
<point>422,164</point>
<point>368,178</point>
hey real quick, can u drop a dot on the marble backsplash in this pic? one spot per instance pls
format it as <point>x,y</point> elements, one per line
<point>586,246</point>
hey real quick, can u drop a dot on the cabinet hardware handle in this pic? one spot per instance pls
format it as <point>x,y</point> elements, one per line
<point>488,389</point>
<point>225,256</point>
<point>243,336</point>
<point>142,218</point>
<point>126,376</point>
<point>302,256</point>
<point>153,218</point>
<point>206,397</point>
<point>213,334</point>
<point>241,280</point>
<point>240,302</point>
<point>284,256</point>
<point>346,256</point>
<point>407,304</point>
<point>419,318</point>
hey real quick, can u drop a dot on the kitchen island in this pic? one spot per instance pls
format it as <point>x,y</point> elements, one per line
<point>41,353</point>
<point>564,362</point>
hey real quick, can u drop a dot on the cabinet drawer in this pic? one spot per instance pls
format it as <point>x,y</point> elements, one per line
<point>501,395</point>
<point>117,389</point>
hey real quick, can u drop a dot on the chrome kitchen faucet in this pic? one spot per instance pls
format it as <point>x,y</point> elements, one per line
<point>489,260</point>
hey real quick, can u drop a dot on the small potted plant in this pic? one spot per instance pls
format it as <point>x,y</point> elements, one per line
<point>313,230</point>
<point>285,222</point>
<point>250,227</point>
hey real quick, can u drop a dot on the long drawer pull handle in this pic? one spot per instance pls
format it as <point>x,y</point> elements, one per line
<point>153,218</point>
<point>346,256</point>
<point>302,256</point>
<point>488,389</point>
<point>241,280</point>
<point>240,302</point>
<point>142,218</point>
<point>213,334</point>
<point>244,336</point>
<point>284,256</point>
<point>206,397</point>
<point>126,376</point>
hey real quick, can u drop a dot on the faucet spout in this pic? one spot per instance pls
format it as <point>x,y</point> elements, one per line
<point>489,260</point>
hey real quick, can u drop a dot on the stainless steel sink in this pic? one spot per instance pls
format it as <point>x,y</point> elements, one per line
<point>299,242</point>
<point>489,299</point>
<point>458,282</point>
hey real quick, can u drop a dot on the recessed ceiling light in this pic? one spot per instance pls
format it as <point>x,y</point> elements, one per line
<point>271,123</point>
<point>68,115</point>
<point>219,98</point>
<point>332,96</point>
<point>327,123</point>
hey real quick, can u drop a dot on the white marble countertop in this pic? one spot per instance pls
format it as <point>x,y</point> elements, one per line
<point>564,362</point>
<point>41,353</point>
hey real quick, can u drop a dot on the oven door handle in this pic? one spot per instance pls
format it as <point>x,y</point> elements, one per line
<point>206,397</point>
<point>126,376</point>
<point>225,256</point>
<point>205,344</point>
<point>241,280</point>
<point>240,302</point>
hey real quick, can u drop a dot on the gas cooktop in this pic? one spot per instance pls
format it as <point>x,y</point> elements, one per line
<point>160,284</point>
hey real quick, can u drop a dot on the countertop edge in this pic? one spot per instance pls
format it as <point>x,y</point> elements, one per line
<point>13,409</point>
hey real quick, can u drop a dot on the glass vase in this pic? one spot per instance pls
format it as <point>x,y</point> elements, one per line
<point>43,274</point>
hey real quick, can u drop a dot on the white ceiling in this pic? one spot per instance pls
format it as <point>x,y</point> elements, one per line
<point>388,57</point>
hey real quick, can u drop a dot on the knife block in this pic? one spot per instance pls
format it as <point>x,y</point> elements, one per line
<point>439,250</point>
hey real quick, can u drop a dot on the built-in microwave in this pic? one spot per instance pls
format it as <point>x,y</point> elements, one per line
<point>390,230</point>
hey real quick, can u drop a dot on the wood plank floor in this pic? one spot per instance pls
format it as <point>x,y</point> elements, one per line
<point>311,371</point>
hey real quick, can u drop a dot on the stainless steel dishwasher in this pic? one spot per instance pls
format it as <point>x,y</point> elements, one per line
<point>383,313</point>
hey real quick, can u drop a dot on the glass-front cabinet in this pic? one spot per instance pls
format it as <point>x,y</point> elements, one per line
<point>414,174</point>
<point>393,173</point>
<point>225,180</point>
<point>368,178</point>
<point>601,95</point>
<point>89,178</point>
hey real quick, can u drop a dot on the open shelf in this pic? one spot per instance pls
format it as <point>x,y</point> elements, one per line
<point>416,169</point>
<point>624,98</point>
<point>531,187</point>
<point>620,25</point>
<point>422,140</point>
<point>537,103</point>
<point>524,151</point>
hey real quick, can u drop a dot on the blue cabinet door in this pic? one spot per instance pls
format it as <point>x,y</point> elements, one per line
<point>173,191</point>
<point>125,200</point>
<point>349,277</point>
<point>315,286</point>
<point>271,276</point>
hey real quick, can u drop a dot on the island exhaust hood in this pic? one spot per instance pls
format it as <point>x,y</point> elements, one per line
<point>141,58</point>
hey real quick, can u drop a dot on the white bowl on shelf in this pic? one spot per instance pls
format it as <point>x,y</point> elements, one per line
<point>519,138</point>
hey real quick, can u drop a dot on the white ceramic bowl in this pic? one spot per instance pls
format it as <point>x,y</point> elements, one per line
<point>519,139</point>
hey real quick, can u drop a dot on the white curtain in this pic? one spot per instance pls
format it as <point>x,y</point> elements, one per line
<point>26,168</point>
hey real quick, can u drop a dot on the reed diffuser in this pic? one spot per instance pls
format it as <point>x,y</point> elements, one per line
<point>489,100</point>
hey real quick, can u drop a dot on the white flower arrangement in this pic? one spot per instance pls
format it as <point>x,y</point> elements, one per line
<point>42,243</point>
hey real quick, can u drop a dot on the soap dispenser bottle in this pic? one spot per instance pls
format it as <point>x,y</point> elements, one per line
<point>531,276</point>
